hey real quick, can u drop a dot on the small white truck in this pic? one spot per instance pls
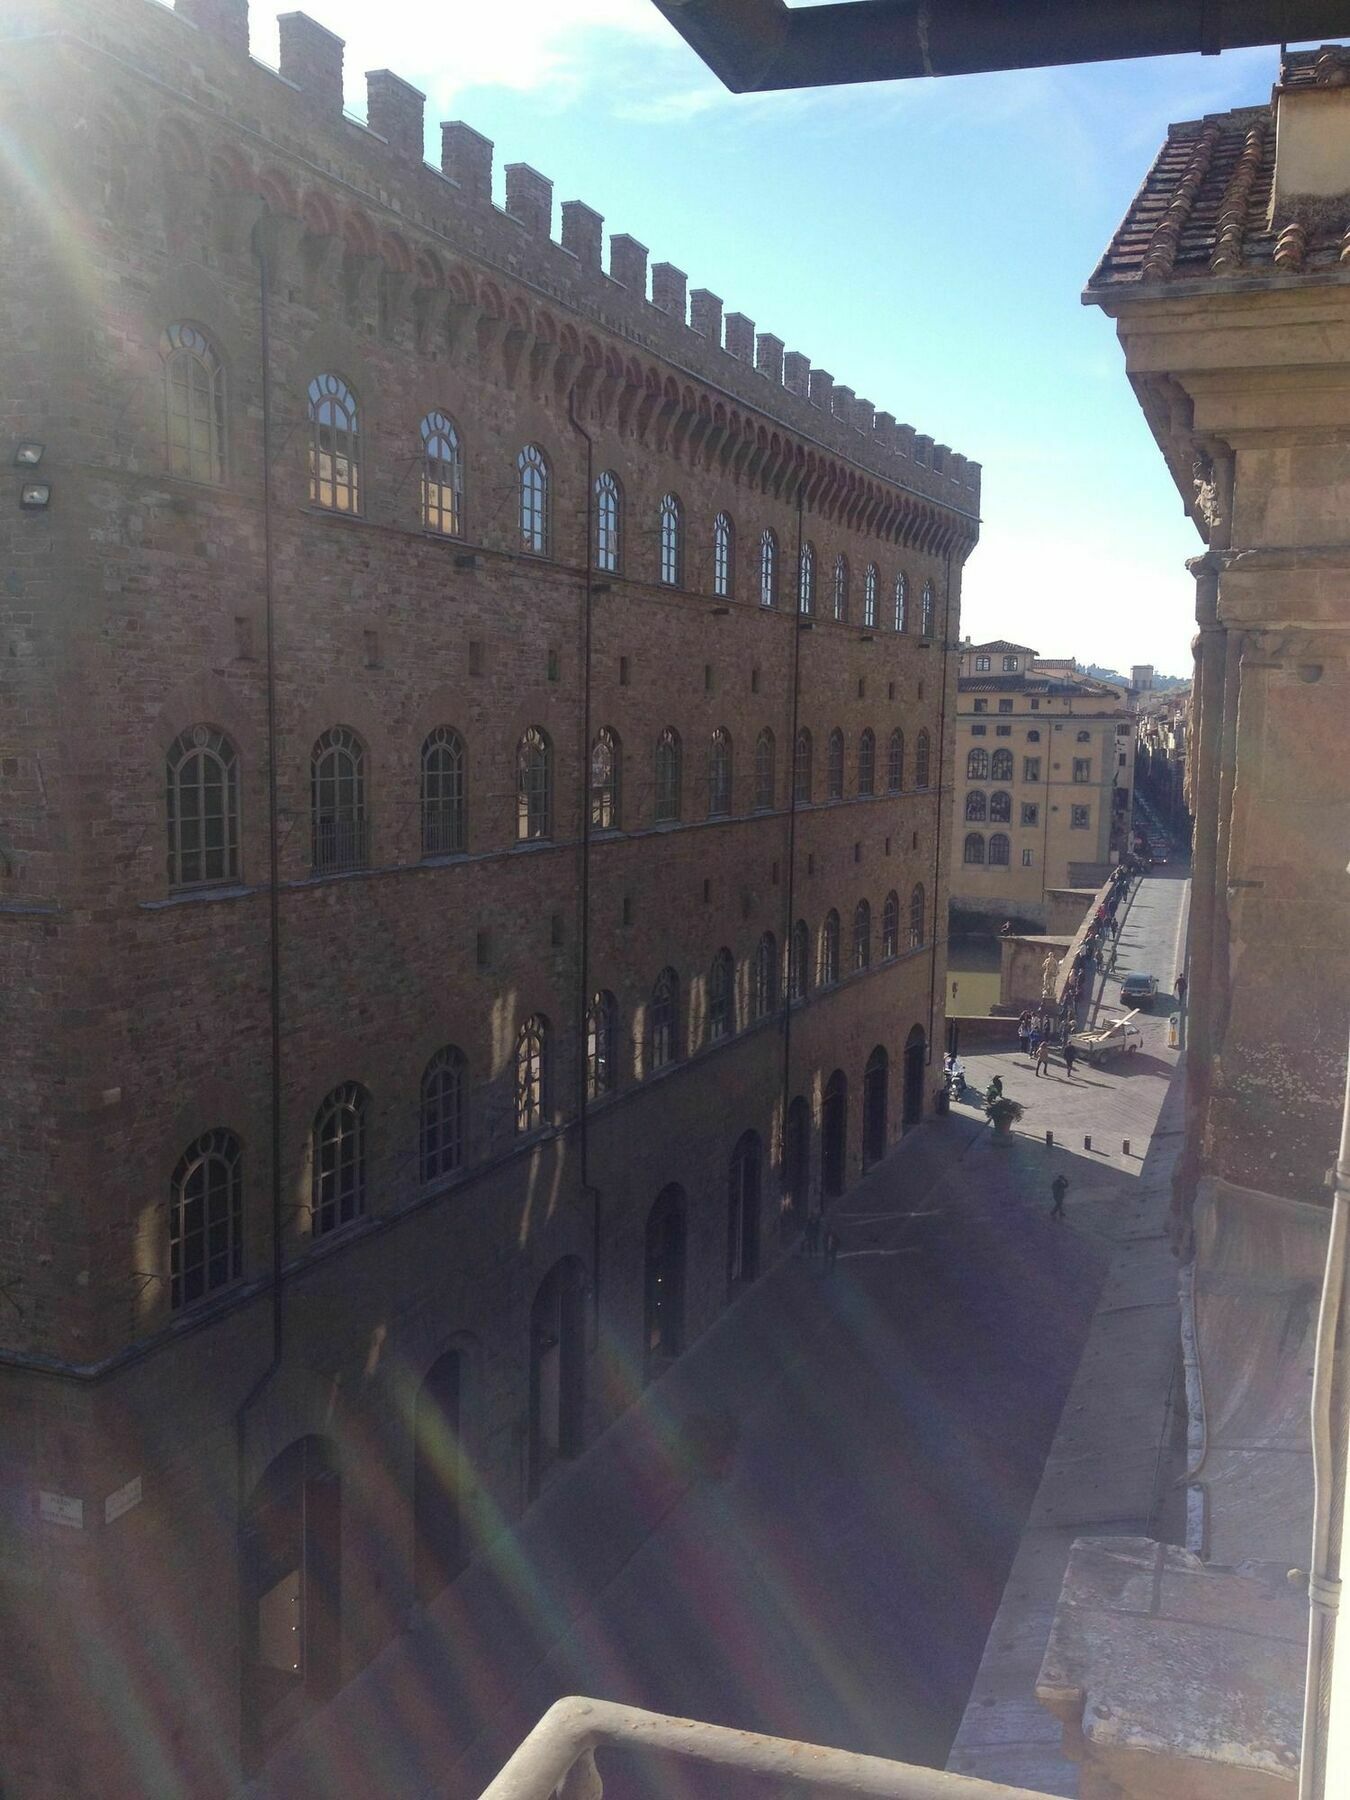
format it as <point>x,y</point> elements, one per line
<point>1108,1038</point>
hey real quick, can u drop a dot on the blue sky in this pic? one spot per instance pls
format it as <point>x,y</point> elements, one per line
<point>926,242</point>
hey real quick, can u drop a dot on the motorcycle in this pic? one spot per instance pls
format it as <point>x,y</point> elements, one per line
<point>955,1071</point>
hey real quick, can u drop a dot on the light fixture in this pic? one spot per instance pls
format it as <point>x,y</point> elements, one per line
<point>34,495</point>
<point>28,456</point>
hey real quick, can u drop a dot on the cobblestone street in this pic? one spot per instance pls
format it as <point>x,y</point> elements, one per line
<point>891,1421</point>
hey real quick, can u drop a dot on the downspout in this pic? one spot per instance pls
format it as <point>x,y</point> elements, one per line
<point>274,973</point>
<point>584,949</point>
<point>937,842</point>
<point>791,759</point>
<point>1330,1405</point>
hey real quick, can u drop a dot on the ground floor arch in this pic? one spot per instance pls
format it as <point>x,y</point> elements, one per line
<point>916,1064</point>
<point>876,1078</point>
<point>834,1136</point>
<point>557,1368</point>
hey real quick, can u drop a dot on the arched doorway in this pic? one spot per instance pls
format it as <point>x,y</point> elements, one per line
<point>743,1212</point>
<point>875,1079</point>
<point>834,1135</point>
<point>916,1061</point>
<point>557,1369</point>
<point>291,1544</point>
<point>797,1163</point>
<point>663,1281</point>
<point>439,1550</point>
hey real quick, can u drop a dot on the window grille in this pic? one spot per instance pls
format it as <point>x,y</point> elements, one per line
<point>671,541</point>
<point>664,1021</point>
<point>534,786</point>
<point>668,760</point>
<point>334,446</point>
<point>532,468</point>
<point>890,926</point>
<point>194,404</point>
<point>834,766</point>
<point>916,917</point>
<point>801,768</point>
<point>862,935</point>
<point>1001,766</point>
<point>977,765</point>
<point>202,809</point>
<point>206,1218</point>
<point>921,757</point>
<point>338,1178</point>
<point>442,476</point>
<point>532,1074</point>
<point>764,771</point>
<point>998,849</point>
<point>723,556</point>
<point>1000,807</point>
<point>768,569</point>
<point>444,1092</point>
<point>605,771</point>
<point>608,522</point>
<point>974,847</point>
<point>721,997</point>
<point>339,824</point>
<point>867,763</point>
<point>443,794</point>
<point>977,807</point>
<point>719,773</point>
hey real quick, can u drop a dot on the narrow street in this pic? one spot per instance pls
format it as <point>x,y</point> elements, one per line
<point>891,1422</point>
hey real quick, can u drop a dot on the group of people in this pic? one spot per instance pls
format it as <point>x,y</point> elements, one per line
<point>1036,1039</point>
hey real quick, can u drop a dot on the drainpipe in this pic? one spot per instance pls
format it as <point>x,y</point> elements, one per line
<point>274,972</point>
<point>937,841</point>
<point>798,627</point>
<point>1330,1406</point>
<point>584,948</point>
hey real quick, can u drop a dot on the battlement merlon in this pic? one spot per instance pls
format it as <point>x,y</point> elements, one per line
<point>384,160</point>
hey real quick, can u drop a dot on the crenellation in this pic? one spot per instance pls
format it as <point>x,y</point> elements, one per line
<point>583,233</point>
<point>822,389</point>
<point>797,373</point>
<point>940,454</point>
<point>628,262</point>
<point>529,198</point>
<point>904,441</point>
<point>669,289</point>
<point>862,415</point>
<point>740,337</point>
<point>923,449</point>
<point>705,314</point>
<point>769,356</point>
<point>883,430</point>
<point>396,110</point>
<point>311,57</point>
<point>841,402</point>
<point>225,20</point>
<point>466,157</point>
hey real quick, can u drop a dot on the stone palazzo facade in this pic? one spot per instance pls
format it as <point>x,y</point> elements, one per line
<point>475,734</point>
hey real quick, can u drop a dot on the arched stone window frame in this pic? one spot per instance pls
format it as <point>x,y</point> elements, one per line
<point>840,595</point>
<point>724,556</point>
<point>927,611</point>
<point>801,768</point>
<point>606,776</point>
<point>764,977</point>
<point>443,1110</point>
<point>867,763</point>
<point>534,491</point>
<point>444,793</point>
<point>338,1159</point>
<point>1000,807</point>
<point>768,567</point>
<point>895,762</point>
<point>334,445</point>
<point>202,809</point>
<point>720,773</point>
<point>917,919</point>
<point>206,1214</point>
<point>922,755</point>
<point>834,765</point>
<point>339,820</point>
<point>533,1074</point>
<point>671,569</point>
<point>890,927</point>
<point>799,962</point>
<point>721,997</point>
<point>442,475</point>
<point>663,1022</point>
<point>901,619</point>
<point>1001,765</point>
<point>602,1044</point>
<point>1000,850</point>
<point>765,772</point>
<point>194,404</point>
<point>862,936</point>
<point>977,765</point>
<point>806,580</point>
<point>977,807</point>
<point>871,582</point>
<point>829,950</point>
<point>534,786</point>
<point>608,522</point>
<point>974,849</point>
<point>668,764</point>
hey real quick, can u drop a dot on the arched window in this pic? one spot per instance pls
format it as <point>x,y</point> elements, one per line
<point>870,582</point>
<point>764,987</point>
<point>337,788</point>
<point>901,620</point>
<point>799,964</point>
<point>829,949</point>
<point>977,765</point>
<point>895,762</point>
<point>532,468</point>
<point>841,588</point>
<point>916,917</point>
<point>867,763</point>
<point>608,521</point>
<point>764,771</point>
<point>667,797</point>
<point>1084,737</point>
<point>768,569</point>
<point>862,935</point>
<point>534,786</point>
<point>721,997</point>
<point>672,541</point>
<point>834,765</point>
<point>443,799</point>
<point>194,404</point>
<point>926,611</point>
<point>202,808</point>
<point>806,580</point>
<point>533,1053</point>
<point>334,446</point>
<point>1001,766</point>
<point>801,768</point>
<point>1000,807</point>
<point>719,773</point>
<point>921,760</point>
<point>602,1045</point>
<point>1033,737</point>
<point>206,1201</point>
<point>442,476</point>
<point>724,556</point>
<point>338,1160</point>
<point>974,847</point>
<point>663,1022</point>
<point>999,849</point>
<point>444,1091</point>
<point>890,926</point>
<point>976,806</point>
<point>606,769</point>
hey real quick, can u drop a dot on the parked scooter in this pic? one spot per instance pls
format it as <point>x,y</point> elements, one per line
<point>955,1071</point>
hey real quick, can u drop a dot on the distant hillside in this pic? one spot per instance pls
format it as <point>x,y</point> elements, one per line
<point>1161,683</point>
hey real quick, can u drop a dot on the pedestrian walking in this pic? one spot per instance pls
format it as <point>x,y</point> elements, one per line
<point>1181,989</point>
<point>1024,1033</point>
<point>1069,1054</point>
<point>1059,1187</point>
<point>831,1250</point>
<point>1043,1057</point>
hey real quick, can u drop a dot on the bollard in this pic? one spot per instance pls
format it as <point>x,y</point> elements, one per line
<point>1087,1143</point>
<point>1049,1140</point>
<point>1173,1032</point>
<point>1125,1147</point>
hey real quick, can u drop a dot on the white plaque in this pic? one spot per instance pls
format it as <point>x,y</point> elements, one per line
<point>123,1500</point>
<point>61,1509</point>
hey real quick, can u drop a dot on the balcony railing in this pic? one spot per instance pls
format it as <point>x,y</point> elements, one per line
<point>558,1757</point>
<point>341,843</point>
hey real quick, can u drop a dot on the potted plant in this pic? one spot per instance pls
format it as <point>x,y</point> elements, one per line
<point>1004,1114</point>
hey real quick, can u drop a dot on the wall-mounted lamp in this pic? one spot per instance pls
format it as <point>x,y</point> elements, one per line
<point>34,495</point>
<point>28,456</point>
